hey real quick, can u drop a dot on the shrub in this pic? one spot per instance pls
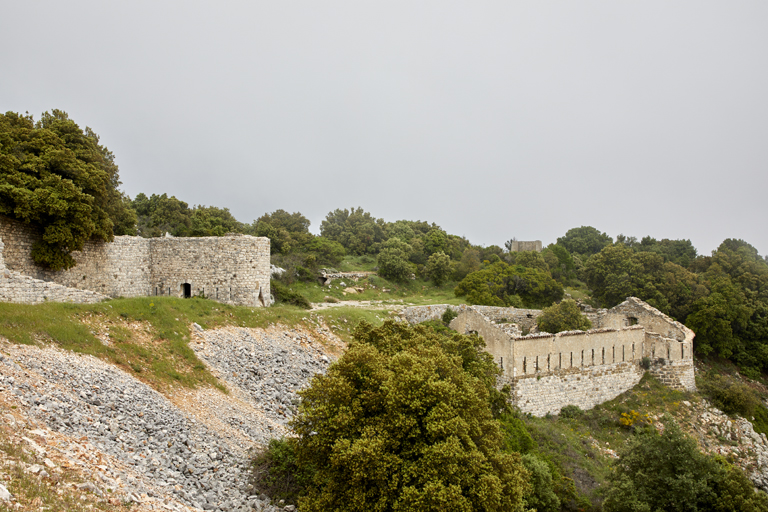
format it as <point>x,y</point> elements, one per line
<point>564,316</point>
<point>438,268</point>
<point>276,473</point>
<point>668,472</point>
<point>498,284</point>
<point>449,315</point>
<point>285,295</point>
<point>571,411</point>
<point>542,497</point>
<point>730,396</point>
<point>403,421</point>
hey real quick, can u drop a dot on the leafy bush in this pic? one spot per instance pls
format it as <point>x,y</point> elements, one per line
<point>499,283</point>
<point>276,473</point>
<point>729,395</point>
<point>542,497</point>
<point>449,315</point>
<point>403,421</point>
<point>285,295</point>
<point>668,472</point>
<point>571,411</point>
<point>393,261</point>
<point>438,268</point>
<point>564,316</point>
<point>58,179</point>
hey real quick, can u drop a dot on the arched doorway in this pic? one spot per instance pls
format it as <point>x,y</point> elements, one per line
<point>186,289</point>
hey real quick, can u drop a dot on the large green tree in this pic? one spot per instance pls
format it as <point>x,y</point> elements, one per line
<point>500,284</point>
<point>404,421</point>
<point>57,178</point>
<point>355,229</point>
<point>584,240</point>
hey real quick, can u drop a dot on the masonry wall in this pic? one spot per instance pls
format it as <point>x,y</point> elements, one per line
<point>654,320</point>
<point>233,269</point>
<point>525,318</point>
<point>117,269</point>
<point>18,288</point>
<point>584,387</point>
<point>520,246</point>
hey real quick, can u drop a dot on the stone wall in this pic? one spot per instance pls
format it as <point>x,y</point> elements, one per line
<point>584,387</point>
<point>233,269</point>
<point>524,318</point>
<point>520,246</point>
<point>634,311</point>
<point>584,368</point>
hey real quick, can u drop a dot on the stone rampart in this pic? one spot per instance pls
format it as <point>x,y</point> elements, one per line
<point>524,318</point>
<point>233,269</point>
<point>584,368</point>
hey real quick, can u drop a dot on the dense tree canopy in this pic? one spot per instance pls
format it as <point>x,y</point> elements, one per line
<point>500,284</point>
<point>403,421</point>
<point>57,178</point>
<point>585,240</point>
<point>666,471</point>
<point>564,316</point>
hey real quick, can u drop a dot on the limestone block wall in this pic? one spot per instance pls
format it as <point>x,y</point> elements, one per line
<point>637,311</point>
<point>520,246</point>
<point>233,269</point>
<point>22,289</point>
<point>525,318</point>
<point>584,387</point>
<point>117,269</point>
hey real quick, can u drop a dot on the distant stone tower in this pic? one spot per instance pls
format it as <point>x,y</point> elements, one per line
<point>520,246</point>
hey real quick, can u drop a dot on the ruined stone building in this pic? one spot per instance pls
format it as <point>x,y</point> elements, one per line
<point>585,368</point>
<point>233,269</point>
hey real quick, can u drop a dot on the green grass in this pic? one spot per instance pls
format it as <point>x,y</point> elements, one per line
<point>376,288</point>
<point>167,359</point>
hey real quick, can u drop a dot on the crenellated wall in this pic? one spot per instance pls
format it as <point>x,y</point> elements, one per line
<point>233,269</point>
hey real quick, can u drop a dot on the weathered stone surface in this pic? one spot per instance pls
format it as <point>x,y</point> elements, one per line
<point>583,368</point>
<point>233,269</point>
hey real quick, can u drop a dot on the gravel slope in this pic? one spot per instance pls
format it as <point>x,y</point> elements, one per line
<point>187,451</point>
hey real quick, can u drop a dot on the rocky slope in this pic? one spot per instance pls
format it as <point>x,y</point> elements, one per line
<point>129,443</point>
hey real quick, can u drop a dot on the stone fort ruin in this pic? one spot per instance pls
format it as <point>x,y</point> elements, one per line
<point>234,269</point>
<point>585,368</point>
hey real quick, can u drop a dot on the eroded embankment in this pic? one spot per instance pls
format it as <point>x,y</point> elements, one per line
<point>184,451</point>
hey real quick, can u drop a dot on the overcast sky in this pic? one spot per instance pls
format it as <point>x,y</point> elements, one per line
<point>493,119</point>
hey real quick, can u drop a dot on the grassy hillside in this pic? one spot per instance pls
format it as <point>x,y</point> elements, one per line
<point>149,336</point>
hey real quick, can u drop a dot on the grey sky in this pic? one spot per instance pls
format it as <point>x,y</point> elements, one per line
<point>492,119</point>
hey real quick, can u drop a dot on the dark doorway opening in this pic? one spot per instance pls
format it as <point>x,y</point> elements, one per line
<point>187,289</point>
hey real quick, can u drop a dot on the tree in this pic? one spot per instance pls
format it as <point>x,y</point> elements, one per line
<point>438,268</point>
<point>668,472</point>
<point>402,421</point>
<point>213,221</point>
<point>355,229</point>
<point>58,179</point>
<point>564,316</point>
<point>160,214</point>
<point>393,260</point>
<point>287,232</point>
<point>585,240</point>
<point>499,284</point>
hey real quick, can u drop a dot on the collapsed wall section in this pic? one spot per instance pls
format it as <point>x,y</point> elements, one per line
<point>233,269</point>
